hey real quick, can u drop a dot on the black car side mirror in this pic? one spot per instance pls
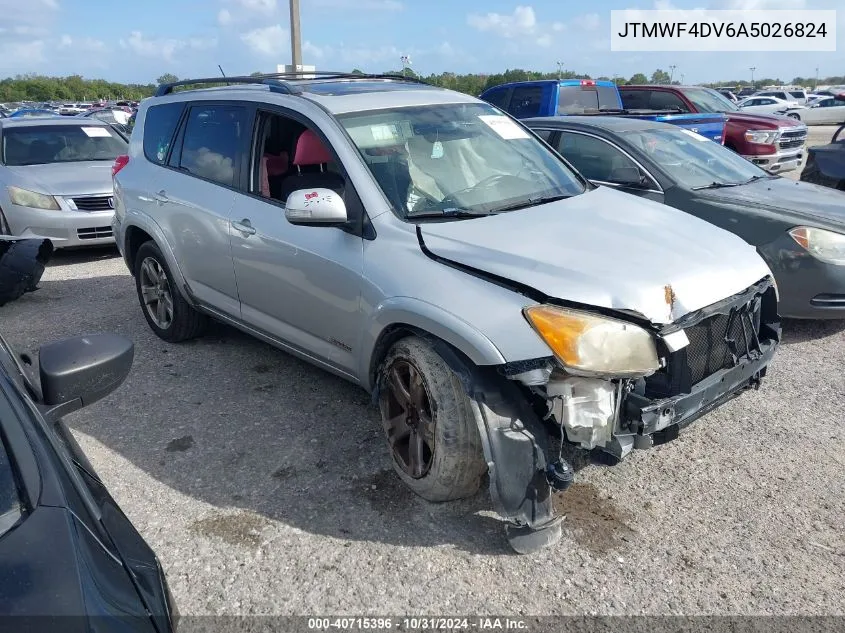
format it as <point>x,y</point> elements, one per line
<point>627,177</point>
<point>78,371</point>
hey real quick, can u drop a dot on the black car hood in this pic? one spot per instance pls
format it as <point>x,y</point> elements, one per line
<point>801,201</point>
<point>830,159</point>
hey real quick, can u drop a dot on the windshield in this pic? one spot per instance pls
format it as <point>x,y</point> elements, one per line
<point>587,98</point>
<point>693,160</point>
<point>708,101</point>
<point>457,158</point>
<point>42,144</point>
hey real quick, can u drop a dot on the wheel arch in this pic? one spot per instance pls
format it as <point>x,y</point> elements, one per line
<point>399,317</point>
<point>136,233</point>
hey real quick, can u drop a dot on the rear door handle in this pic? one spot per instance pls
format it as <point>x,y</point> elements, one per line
<point>244,226</point>
<point>161,196</point>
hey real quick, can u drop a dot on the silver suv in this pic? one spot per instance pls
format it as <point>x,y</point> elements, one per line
<point>433,250</point>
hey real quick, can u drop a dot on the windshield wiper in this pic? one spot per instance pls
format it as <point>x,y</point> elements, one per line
<point>718,185</point>
<point>758,177</point>
<point>532,202</point>
<point>448,214</point>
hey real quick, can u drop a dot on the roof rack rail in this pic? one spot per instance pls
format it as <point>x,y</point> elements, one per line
<point>278,82</point>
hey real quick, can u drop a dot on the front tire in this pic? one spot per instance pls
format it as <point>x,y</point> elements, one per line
<point>167,313</point>
<point>793,115</point>
<point>429,422</point>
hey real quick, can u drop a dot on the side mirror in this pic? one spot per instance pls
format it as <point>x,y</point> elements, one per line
<point>78,371</point>
<point>627,177</point>
<point>315,207</point>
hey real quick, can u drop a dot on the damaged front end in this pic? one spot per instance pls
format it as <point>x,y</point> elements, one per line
<point>22,262</point>
<point>701,361</point>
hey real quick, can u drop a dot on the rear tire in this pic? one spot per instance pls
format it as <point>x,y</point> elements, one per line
<point>166,311</point>
<point>793,115</point>
<point>429,422</point>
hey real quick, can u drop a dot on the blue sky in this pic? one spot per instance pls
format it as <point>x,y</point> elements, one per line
<point>139,40</point>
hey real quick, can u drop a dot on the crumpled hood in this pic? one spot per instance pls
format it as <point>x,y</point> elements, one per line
<point>800,200</point>
<point>608,249</point>
<point>64,179</point>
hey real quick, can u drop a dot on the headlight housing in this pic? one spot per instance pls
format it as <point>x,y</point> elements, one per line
<point>762,137</point>
<point>32,199</point>
<point>589,344</point>
<point>826,246</point>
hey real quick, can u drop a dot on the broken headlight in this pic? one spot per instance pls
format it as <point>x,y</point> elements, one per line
<point>589,344</point>
<point>826,246</point>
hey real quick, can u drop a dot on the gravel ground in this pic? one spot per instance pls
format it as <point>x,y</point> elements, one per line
<point>265,487</point>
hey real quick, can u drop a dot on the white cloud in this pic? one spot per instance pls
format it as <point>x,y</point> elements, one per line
<point>521,26</point>
<point>224,17</point>
<point>588,22</point>
<point>313,51</point>
<point>361,5</point>
<point>753,5</point>
<point>14,53</point>
<point>85,44</point>
<point>270,40</point>
<point>521,22</point>
<point>162,48</point>
<point>266,7</point>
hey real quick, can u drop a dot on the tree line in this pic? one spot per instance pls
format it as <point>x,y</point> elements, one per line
<point>40,88</point>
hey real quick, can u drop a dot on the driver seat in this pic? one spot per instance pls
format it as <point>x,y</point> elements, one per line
<point>311,160</point>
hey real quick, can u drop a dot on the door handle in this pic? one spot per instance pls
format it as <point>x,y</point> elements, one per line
<point>244,226</point>
<point>161,196</point>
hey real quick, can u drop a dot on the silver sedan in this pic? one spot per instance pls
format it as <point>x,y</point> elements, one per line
<point>55,179</point>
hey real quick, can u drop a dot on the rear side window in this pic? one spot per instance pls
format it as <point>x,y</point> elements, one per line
<point>159,129</point>
<point>213,137</point>
<point>526,102</point>
<point>594,158</point>
<point>661,100</point>
<point>498,97</point>
<point>635,99</point>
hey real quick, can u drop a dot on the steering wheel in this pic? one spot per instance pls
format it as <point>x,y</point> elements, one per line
<point>452,200</point>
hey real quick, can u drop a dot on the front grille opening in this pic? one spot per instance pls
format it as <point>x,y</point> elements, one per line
<point>94,203</point>
<point>94,233</point>
<point>717,342</point>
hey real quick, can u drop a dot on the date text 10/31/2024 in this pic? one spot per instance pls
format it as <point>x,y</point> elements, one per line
<point>417,624</point>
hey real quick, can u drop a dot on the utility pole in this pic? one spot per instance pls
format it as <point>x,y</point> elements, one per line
<point>671,73</point>
<point>559,71</point>
<point>295,36</point>
<point>752,69</point>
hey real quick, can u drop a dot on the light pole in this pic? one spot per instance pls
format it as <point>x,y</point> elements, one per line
<point>559,71</point>
<point>671,73</point>
<point>816,85</point>
<point>682,79</point>
<point>752,69</point>
<point>295,36</point>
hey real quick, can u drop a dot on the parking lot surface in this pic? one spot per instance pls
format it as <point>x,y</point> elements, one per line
<point>265,487</point>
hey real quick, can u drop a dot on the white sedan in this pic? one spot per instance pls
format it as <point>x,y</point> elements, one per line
<point>826,111</point>
<point>769,105</point>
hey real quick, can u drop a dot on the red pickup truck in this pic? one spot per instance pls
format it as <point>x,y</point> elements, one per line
<point>775,143</point>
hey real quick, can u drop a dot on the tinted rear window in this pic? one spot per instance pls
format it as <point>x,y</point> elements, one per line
<point>580,99</point>
<point>42,144</point>
<point>526,102</point>
<point>211,147</point>
<point>159,129</point>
